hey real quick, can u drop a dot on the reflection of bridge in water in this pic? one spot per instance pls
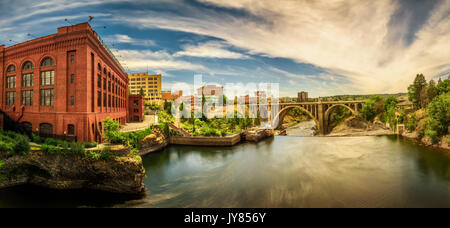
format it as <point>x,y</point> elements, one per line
<point>319,111</point>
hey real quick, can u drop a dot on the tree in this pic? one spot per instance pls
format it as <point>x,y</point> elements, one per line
<point>443,87</point>
<point>431,91</point>
<point>141,92</point>
<point>373,107</point>
<point>415,91</point>
<point>439,113</point>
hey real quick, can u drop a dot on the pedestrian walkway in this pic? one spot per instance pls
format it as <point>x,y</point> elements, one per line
<point>137,126</point>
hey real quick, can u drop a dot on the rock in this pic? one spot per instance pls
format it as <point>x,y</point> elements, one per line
<point>257,135</point>
<point>153,142</point>
<point>119,175</point>
<point>356,122</point>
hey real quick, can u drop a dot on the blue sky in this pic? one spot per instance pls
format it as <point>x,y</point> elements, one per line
<point>324,47</point>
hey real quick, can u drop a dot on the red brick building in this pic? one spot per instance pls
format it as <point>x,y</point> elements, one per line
<point>65,84</point>
<point>168,95</point>
<point>136,108</point>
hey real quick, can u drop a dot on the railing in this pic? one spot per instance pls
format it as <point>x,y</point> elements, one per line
<point>185,133</point>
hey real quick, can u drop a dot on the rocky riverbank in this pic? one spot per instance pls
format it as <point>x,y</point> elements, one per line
<point>63,172</point>
<point>355,126</point>
<point>256,134</point>
<point>153,142</point>
<point>424,140</point>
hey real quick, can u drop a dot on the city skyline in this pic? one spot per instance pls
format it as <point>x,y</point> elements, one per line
<point>326,48</point>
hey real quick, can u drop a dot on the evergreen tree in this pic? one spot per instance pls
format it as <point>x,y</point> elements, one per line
<point>431,91</point>
<point>416,92</point>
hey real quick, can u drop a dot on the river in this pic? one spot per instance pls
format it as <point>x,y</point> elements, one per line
<point>375,171</point>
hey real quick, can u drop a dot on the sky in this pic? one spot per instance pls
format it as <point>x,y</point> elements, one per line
<point>325,47</point>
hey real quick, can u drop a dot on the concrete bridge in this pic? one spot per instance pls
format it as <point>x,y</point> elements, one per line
<point>319,111</point>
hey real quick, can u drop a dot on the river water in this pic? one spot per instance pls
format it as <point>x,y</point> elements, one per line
<point>381,171</point>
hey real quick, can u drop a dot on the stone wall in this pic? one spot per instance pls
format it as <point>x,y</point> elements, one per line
<point>206,141</point>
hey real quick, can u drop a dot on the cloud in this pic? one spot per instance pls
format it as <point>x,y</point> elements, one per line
<point>125,39</point>
<point>212,49</point>
<point>348,38</point>
<point>140,60</point>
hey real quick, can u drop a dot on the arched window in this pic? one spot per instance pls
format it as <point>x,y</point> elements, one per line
<point>47,62</point>
<point>104,70</point>
<point>46,129</point>
<point>70,129</point>
<point>27,66</point>
<point>99,67</point>
<point>11,69</point>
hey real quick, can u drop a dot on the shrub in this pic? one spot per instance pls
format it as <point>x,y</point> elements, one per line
<point>105,154</point>
<point>2,164</point>
<point>411,124</point>
<point>50,149</point>
<point>432,134</point>
<point>36,138</point>
<point>90,144</point>
<point>6,147</point>
<point>76,148</point>
<point>21,145</point>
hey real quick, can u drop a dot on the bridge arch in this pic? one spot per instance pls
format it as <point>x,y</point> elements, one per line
<point>331,109</point>
<point>278,120</point>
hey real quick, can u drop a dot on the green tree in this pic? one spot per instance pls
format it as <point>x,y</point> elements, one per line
<point>439,113</point>
<point>416,91</point>
<point>141,92</point>
<point>443,87</point>
<point>373,107</point>
<point>431,90</point>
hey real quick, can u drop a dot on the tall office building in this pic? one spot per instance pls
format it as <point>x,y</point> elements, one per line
<point>150,85</point>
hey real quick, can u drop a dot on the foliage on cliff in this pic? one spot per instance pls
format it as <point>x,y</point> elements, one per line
<point>14,143</point>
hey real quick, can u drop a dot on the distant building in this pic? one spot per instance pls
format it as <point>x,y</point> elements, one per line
<point>168,95</point>
<point>210,90</point>
<point>150,84</point>
<point>136,108</point>
<point>303,96</point>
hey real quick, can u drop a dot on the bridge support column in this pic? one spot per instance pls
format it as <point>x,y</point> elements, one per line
<point>322,120</point>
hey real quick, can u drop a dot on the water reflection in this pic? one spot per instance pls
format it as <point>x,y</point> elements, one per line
<point>282,172</point>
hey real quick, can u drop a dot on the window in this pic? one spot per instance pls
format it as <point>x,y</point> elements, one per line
<point>136,102</point>
<point>27,97</point>
<point>72,100</point>
<point>47,77</point>
<point>11,82</point>
<point>104,83</point>
<point>28,127</point>
<point>104,99</point>
<point>46,129</point>
<point>136,110</point>
<point>109,86</point>
<point>27,80</point>
<point>72,78</point>
<point>99,81</point>
<point>47,97</point>
<point>11,69</point>
<point>70,129</point>
<point>47,62</point>
<point>104,70</point>
<point>72,58</point>
<point>109,101</point>
<point>10,98</point>
<point>27,66</point>
<point>99,99</point>
<point>99,67</point>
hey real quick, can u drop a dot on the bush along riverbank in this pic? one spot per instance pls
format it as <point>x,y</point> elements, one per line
<point>62,165</point>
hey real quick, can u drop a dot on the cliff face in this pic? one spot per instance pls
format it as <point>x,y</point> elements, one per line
<point>119,175</point>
